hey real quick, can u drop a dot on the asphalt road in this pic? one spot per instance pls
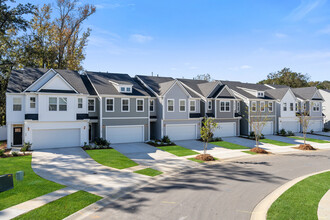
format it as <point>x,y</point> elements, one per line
<point>228,190</point>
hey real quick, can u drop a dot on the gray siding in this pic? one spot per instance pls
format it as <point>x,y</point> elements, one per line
<point>266,109</point>
<point>202,108</point>
<point>97,109</point>
<point>154,113</point>
<point>132,111</point>
<point>229,114</point>
<point>176,93</point>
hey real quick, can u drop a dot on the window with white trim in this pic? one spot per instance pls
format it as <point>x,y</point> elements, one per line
<point>270,106</point>
<point>260,94</point>
<point>110,105</point>
<point>122,89</point>
<point>125,105</point>
<point>152,105</point>
<point>296,106</point>
<point>62,104</point>
<point>285,106</point>
<point>91,105</point>
<point>170,105</point>
<point>316,107</point>
<point>80,103</point>
<point>32,102</point>
<point>52,104</point>
<point>192,104</point>
<point>262,106</point>
<point>209,105</point>
<point>225,106</point>
<point>139,105</point>
<point>254,106</point>
<point>238,106</point>
<point>17,104</point>
<point>291,106</point>
<point>182,103</point>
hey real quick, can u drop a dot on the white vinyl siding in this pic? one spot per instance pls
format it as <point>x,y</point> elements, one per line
<point>32,102</point>
<point>80,103</point>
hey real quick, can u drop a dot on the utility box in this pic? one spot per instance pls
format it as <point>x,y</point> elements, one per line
<point>6,182</point>
<point>19,175</point>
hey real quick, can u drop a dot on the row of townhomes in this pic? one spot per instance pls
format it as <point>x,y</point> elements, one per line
<point>62,108</point>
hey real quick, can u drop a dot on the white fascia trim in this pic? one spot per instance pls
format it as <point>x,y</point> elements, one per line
<point>124,96</point>
<point>230,91</point>
<point>53,79</point>
<point>269,86</point>
<point>35,82</point>
<point>124,117</point>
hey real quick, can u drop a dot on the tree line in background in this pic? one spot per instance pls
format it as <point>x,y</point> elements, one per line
<point>53,38</point>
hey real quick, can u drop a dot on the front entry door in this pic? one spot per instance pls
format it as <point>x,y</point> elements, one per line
<point>18,131</point>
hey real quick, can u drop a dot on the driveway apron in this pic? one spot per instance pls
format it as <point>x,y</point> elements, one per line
<point>73,167</point>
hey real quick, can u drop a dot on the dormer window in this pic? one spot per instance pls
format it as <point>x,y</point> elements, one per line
<point>260,94</point>
<point>125,89</point>
<point>128,89</point>
<point>122,89</point>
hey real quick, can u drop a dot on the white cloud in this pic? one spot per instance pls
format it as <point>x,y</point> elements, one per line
<point>280,35</point>
<point>245,67</point>
<point>139,38</point>
<point>305,7</point>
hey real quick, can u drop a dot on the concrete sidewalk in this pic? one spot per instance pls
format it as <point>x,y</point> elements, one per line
<point>323,211</point>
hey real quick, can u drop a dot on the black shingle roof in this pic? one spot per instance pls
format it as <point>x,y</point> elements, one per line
<point>159,85</point>
<point>104,86</point>
<point>305,92</point>
<point>202,87</point>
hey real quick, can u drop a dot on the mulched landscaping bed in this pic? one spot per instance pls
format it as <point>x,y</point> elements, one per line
<point>305,147</point>
<point>259,150</point>
<point>96,148</point>
<point>205,157</point>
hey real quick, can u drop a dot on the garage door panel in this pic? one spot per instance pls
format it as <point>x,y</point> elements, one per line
<point>226,129</point>
<point>293,126</point>
<point>181,132</point>
<point>267,128</point>
<point>125,134</point>
<point>315,125</point>
<point>55,138</point>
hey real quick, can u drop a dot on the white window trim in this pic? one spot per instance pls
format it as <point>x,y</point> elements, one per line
<point>190,101</point>
<point>20,100</point>
<point>106,104</point>
<point>238,106</point>
<point>285,105</point>
<point>66,104</point>
<point>153,105</point>
<point>35,102</point>
<point>224,102</point>
<point>292,107</point>
<point>173,105</point>
<point>129,107</point>
<point>82,103</point>
<point>254,102</point>
<point>185,105</point>
<point>316,105</point>
<point>209,107</point>
<point>270,103</point>
<point>56,103</point>
<point>264,106</point>
<point>93,105</point>
<point>142,105</point>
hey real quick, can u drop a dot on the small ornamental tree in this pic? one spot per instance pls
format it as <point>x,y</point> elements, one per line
<point>207,130</point>
<point>304,120</point>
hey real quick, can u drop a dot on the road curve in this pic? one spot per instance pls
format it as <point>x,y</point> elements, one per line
<point>227,190</point>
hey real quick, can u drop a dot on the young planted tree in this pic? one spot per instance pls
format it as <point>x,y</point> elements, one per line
<point>304,120</point>
<point>207,129</point>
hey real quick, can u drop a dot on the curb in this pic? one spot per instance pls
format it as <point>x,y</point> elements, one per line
<point>260,211</point>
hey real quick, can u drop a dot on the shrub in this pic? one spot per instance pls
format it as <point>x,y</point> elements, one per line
<point>326,129</point>
<point>166,139</point>
<point>2,153</point>
<point>102,142</point>
<point>26,146</point>
<point>290,133</point>
<point>14,153</point>
<point>283,132</point>
<point>217,139</point>
<point>312,131</point>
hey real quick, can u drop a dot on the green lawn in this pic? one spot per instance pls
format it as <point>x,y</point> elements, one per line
<point>229,145</point>
<point>312,140</point>
<point>111,158</point>
<point>149,172</point>
<point>250,152</point>
<point>274,142</point>
<point>301,200</point>
<point>195,160</point>
<point>62,207</point>
<point>178,151</point>
<point>31,187</point>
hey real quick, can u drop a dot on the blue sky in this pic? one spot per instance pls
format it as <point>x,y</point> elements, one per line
<point>234,40</point>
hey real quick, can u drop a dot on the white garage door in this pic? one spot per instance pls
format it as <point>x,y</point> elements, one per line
<point>55,138</point>
<point>125,134</point>
<point>293,126</point>
<point>315,125</point>
<point>226,129</point>
<point>181,132</point>
<point>267,128</point>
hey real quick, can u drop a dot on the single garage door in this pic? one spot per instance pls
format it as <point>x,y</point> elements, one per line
<point>267,128</point>
<point>55,138</point>
<point>125,134</point>
<point>315,125</point>
<point>181,132</point>
<point>293,126</point>
<point>225,129</point>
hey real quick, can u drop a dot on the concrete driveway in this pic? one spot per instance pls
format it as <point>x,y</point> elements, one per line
<point>150,156</point>
<point>214,150</point>
<point>314,136</point>
<point>73,167</point>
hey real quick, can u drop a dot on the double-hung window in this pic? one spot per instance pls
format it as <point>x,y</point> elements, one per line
<point>170,105</point>
<point>291,107</point>
<point>270,106</point>
<point>209,105</point>
<point>110,106</point>
<point>52,104</point>
<point>192,104</point>
<point>80,103</point>
<point>238,106</point>
<point>152,105</point>
<point>125,105</point>
<point>296,106</point>
<point>91,105</point>
<point>262,106</point>
<point>225,106</point>
<point>62,104</point>
<point>139,105</point>
<point>316,107</point>
<point>32,102</point>
<point>285,107</point>
<point>254,106</point>
<point>17,104</point>
<point>182,103</point>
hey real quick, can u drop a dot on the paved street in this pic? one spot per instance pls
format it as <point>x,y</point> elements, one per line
<point>227,190</point>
